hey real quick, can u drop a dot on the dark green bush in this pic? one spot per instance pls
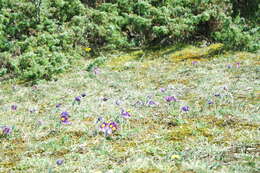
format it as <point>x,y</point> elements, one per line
<point>40,38</point>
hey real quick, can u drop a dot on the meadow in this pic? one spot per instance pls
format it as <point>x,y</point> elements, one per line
<point>167,110</point>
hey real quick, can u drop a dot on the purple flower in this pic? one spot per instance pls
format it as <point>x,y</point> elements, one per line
<point>113,126</point>
<point>170,98</point>
<point>59,162</point>
<point>77,99</point>
<point>105,99</point>
<point>238,64</point>
<point>96,71</point>
<point>194,62</point>
<point>32,110</point>
<point>64,114</point>
<point>151,103</point>
<point>229,66</point>
<point>64,118</point>
<point>14,107</point>
<point>118,102</point>
<point>162,89</point>
<point>99,119</point>
<point>103,126</point>
<point>210,102</point>
<point>125,114</point>
<point>185,108</point>
<point>58,105</point>
<point>6,130</point>
<point>217,95</point>
<point>225,88</point>
<point>108,127</point>
<point>83,95</point>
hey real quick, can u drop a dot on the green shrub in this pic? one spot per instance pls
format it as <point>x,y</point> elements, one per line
<point>235,35</point>
<point>41,38</point>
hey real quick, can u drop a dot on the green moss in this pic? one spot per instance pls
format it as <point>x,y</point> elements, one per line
<point>119,62</point>
<point>192,52</point>
<point>13,152</point>
<point>190,129</point>
<point>181,133</point>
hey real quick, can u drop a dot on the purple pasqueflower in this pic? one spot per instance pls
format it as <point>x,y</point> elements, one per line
<point>162,89</point>
<point>96,70</point>
<point>225,88</point>
<point>210,102</point>
<point>99,119</point>
<point>118,102</point>
<point>125,114</point>
<point>105,99</point>
<point>217,95</point>
<point>14,107</point>
<point>151,103</point>
<point>58,105</point>
<point>229,66</point>
<point>77,99</point>
<point>170,98</point>
<point>108,127</point>
<point>113,126</point>
<point>238,64</point>
<point>32,110</point>
<point>59,162</point>
<point>64,118</point>
<point>83,95</point>
<point>6,130</point>
<point>194,62</point>
<point>103,126</point>
<point>185,108</point>
<point>65,113</point>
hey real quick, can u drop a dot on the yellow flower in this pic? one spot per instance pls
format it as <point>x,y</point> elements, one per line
<point>87,49</point>
<point>175,157</point>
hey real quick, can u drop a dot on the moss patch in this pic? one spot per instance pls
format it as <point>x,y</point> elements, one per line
<point>192,129</point>
<point>196,53</point>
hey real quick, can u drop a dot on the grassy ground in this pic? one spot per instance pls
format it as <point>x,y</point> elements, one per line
<point>222,136</point>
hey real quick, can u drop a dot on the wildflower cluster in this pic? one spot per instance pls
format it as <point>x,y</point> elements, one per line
<point>108,128</point>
